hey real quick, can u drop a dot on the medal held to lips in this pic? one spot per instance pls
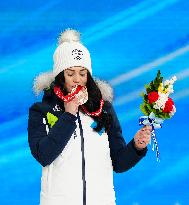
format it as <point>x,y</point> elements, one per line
<point>82,96</point>
<point>76,92</point>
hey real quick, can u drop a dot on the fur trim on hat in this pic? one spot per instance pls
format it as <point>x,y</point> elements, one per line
<point>44,80</point>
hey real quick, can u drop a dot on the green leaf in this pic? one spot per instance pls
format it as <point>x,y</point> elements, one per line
<point>157,80</point>
<point>142,108</point>
<point>142,94</point>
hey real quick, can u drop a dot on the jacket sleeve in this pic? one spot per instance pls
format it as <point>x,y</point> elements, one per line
<point>124,156</point>
<point>44,147</point>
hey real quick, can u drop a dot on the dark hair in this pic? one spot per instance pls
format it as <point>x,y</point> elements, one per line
<point>93,103</point>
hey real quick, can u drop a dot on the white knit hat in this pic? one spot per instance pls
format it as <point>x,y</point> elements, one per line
<point>70,52</point>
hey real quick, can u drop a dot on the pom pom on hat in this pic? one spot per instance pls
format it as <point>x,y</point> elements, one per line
<point>69,35</point>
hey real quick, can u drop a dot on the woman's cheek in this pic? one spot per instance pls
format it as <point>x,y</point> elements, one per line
<point>68,88</point>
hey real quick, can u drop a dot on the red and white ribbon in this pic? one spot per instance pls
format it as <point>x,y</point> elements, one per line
<point>74,92</point>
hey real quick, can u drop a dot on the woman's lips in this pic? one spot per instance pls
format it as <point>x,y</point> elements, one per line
<point>74,86</point>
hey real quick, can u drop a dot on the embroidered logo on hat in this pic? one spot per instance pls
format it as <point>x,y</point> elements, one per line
<point>77,54</point>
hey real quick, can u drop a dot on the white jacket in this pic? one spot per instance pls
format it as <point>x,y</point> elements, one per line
<point>62,182</point>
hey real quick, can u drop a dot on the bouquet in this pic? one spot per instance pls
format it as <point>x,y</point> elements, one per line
<point>157,105</point>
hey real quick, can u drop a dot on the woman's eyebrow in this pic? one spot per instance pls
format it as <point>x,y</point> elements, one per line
<point>70,69</point>
<point>74,70</point>
<point>83,69</point>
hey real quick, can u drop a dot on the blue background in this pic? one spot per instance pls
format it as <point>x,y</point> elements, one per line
<point>128,41</point>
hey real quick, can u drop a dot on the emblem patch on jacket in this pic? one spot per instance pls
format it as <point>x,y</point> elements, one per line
<point>51,119</point>
<point>94,124</point>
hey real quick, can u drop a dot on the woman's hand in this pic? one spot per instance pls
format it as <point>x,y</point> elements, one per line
<point>142,137</point>
<point>72,106</point>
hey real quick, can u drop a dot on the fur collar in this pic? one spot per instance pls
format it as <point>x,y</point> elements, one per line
<point>43,80</point>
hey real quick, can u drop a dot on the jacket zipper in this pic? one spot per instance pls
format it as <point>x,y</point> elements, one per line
<point>83,160</point>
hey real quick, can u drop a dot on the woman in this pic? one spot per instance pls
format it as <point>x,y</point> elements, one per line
<point>77,138</point>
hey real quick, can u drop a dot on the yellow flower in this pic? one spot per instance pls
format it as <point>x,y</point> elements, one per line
<point>51,119</point>
<point>160,88</point>
<point>165,91</point>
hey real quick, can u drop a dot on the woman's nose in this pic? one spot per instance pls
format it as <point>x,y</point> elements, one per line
<point>76,79</point>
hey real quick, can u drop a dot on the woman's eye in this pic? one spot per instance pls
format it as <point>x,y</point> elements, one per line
<point>70,75</point>
<point>82,75</point>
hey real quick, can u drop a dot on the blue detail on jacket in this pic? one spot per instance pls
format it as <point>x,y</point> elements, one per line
<point>94,124</point>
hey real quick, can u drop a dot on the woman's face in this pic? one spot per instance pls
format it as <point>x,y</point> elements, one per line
<point>75,76</point>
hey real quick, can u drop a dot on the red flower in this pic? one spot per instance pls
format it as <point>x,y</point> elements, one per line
<point>168,106</point>
<point>153,97</point>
